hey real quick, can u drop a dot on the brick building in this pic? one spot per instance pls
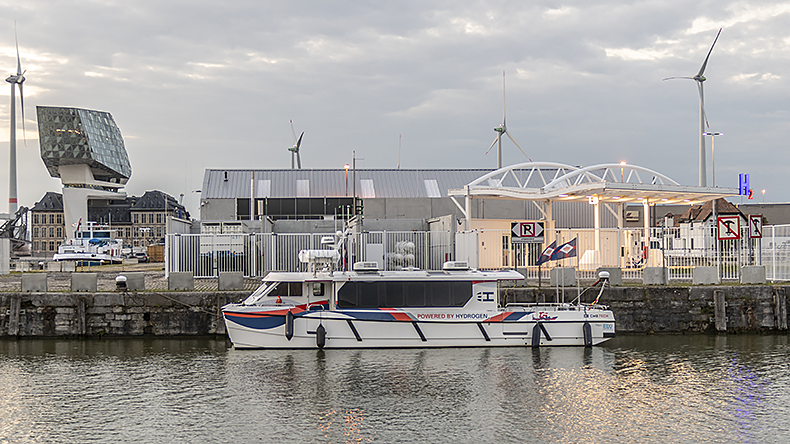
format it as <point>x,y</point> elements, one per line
<point>139,221</point>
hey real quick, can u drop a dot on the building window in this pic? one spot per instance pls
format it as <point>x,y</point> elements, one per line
<point>51,246</point>
<point>52,218</point>
<point>35,232</point>
<point>159,218</point>
<point>59,218</point>
<point>158,232</point>
<point>35,218</point>
<point>59,232</point>
<point>136,218</point>
<point>51,232</point>
<point>128,232</point>
<point>35,246</point>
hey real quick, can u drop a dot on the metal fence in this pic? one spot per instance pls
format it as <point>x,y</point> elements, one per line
<point>775,252</point>
<point>631,250</point>
<point>255,254</point>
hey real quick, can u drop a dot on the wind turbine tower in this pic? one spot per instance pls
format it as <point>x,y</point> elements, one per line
<point>14,80</point>
<point>703,119</point>
<point>502,129</point>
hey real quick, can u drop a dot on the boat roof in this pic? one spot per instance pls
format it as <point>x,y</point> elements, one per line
<point>404,275</point>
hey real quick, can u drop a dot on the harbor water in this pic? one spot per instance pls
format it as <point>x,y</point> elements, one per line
<point>633,389</point>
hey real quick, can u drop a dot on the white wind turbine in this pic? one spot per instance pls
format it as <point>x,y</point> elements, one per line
<point>502,129</point>
<point>703,119</point>
<point>295,148</point>
<point>15,79</point>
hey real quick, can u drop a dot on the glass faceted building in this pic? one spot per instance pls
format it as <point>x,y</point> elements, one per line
<point>74,136</point>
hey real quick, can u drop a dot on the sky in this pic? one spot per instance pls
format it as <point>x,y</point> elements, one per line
<point>196,84</point>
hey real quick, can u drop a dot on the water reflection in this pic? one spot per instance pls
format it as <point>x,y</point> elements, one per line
<point>646,389</point>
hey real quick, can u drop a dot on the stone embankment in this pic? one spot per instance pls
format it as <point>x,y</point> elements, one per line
<point>680,309</point>
<point>54,306</point>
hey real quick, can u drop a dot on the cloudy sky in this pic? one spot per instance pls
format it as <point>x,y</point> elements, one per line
<point>205,84</point>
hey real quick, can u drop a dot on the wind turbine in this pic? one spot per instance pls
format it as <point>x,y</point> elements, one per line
<point>502,129</point>
<point>295,148</point>
<point>703,118</point>
<point>15,79</point>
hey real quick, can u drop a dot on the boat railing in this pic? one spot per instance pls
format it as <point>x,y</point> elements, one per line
<point>559,306</point>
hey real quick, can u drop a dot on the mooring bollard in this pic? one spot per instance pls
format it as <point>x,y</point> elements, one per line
<point>120,283</point>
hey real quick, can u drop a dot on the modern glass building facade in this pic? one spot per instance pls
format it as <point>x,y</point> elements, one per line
<point>73,136</point>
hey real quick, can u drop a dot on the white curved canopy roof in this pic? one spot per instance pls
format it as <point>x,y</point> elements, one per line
<point>610,182</point>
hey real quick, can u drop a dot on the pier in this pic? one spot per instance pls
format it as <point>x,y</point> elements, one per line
<point>156,310</point>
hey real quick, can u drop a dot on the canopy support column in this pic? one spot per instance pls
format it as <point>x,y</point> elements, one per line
<point>646,214</point>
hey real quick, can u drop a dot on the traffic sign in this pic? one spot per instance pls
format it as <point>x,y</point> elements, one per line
<point>729,227</point>
<point>755,226</point>
<point>526,232</point>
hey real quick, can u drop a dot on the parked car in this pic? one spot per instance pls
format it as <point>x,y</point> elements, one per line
<point>141,257</point>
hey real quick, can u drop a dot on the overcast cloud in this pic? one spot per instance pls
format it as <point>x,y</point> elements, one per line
<point>205,84</point>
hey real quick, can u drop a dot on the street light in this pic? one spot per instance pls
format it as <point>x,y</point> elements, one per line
<point>346,167</point>
<point>713,153</point>
<point>622,162</point>
<point>763,196</point>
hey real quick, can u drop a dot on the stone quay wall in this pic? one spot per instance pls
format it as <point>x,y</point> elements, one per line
<point>637,309</point>
<point>680,309</point>
<point>114,314</point>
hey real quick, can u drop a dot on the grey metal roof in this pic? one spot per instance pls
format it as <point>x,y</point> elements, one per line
<point>370,183</point>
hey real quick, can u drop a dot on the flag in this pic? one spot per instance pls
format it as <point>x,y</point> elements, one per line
<point>546,255</point>
<point>565,251</point>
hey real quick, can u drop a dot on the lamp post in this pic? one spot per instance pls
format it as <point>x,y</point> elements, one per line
<point>622,162</point>
<point>763,196</point>
<point>346,167</point>
<point>713,153</point>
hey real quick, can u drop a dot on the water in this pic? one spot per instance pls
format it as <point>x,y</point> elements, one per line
<point>634,389</point>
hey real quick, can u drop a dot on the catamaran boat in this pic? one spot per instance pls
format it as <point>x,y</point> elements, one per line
<point>370,308</point>
<point>94,245</point>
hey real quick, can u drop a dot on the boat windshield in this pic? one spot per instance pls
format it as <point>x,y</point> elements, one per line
<point>274,289</point>
<point>259,292</point>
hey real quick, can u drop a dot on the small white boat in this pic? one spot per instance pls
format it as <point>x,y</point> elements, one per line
<point>369,308</point>
<point>95,245</point>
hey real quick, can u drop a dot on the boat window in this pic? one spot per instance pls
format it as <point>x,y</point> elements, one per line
<point>318,288</point>
<point>393,295</point>
<point>287,289</point>
<point>404,294</point>
<point>415,294</point>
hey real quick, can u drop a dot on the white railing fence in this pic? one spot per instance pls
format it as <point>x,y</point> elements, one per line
<point>678,249</point>
<point>255,254</point>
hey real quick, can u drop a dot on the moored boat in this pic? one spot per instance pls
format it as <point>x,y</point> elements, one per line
<point>370,308</point>
<point>95,245</point>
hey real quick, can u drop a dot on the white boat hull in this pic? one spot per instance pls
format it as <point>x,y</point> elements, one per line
<point>401,329</point>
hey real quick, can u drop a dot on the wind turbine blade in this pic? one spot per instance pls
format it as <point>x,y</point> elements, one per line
<point>671,78</point>
<point>503,98</point>
<point>705,63</point>
<point>298,160</point>
<point>492,145</point>
<point>292,131</point>
<point>519,147</point>
<point>702,103</point>
<point>18,61</point>
<point>299,142</point>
